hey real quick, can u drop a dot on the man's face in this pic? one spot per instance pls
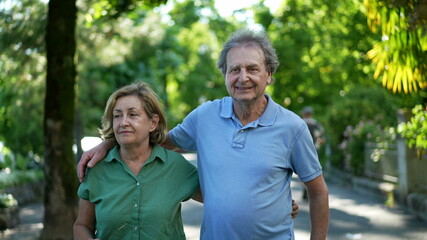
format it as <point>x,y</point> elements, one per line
<point>246,77</point>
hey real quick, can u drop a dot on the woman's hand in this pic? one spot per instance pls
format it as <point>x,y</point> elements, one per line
<point>295,208</point>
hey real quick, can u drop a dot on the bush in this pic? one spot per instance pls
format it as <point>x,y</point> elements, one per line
<point>415,131</point>
<point>353,145</point>
<point>16,178</point>
<point>373,105</point>
<point>7,200</point>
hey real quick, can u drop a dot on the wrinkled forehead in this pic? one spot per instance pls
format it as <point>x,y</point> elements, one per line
<point>248,53</point>
<point>248,45</point>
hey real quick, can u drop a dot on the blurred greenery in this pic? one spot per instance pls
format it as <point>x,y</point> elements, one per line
<point>415,130</point>
<point>322,46</point>
<point>16,178</point>
<point>356,138</point>
<point>401,55</point>
<point>22,75</point>
<point>361,105</point>
<point>7,200</point>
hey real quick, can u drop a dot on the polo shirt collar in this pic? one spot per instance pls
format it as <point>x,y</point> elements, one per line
<point>266,119</point>
<point>157,153</point>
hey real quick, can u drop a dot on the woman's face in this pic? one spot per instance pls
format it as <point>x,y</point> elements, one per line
<point>131,124</point>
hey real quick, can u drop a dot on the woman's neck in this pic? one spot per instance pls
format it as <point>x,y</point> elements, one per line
<point>135,157</point>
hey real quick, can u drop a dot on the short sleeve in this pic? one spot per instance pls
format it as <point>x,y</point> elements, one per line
<point>83,191</point>
<point>304,158</point>
<point>189,178</point>
<point>184,134</point>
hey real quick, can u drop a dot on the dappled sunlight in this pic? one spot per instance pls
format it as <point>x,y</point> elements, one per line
<point>22,232</point>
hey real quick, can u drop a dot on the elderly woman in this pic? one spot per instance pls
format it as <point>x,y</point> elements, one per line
<point>136,192</point>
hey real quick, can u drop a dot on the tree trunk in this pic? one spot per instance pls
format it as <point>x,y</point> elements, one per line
<point>61,181</point>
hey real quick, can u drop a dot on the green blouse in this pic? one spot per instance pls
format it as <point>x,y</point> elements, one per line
<point>147,206</point>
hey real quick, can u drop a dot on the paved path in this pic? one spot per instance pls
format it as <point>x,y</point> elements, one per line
<point>357,216</point>
<point>353,216</point>
<point>31,223</point>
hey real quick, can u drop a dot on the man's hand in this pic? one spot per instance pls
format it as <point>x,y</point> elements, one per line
<point>92,156</point>
<point>295,208</point>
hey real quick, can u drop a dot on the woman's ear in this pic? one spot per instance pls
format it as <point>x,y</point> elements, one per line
<point>154,122</point>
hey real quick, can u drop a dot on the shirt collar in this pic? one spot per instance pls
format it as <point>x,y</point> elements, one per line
<point>157,153</point>
<point>266,119</point>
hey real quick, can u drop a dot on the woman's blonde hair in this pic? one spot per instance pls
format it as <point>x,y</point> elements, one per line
<point>152,106</point>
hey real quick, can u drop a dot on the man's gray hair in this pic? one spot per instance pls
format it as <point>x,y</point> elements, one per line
<point>244,37</point>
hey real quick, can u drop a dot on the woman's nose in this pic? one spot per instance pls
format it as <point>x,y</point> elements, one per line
<point>124,121</point>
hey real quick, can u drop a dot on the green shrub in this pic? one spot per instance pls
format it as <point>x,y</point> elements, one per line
<point>373,105</point>
<point>353,145</point>
<point>16,178</point>
<point>7,200</point>
<point>415,131</point>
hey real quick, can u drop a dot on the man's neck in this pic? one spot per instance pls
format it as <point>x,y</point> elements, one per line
<point>248,112</point>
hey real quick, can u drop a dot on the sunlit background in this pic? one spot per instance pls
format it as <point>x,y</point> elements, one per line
<point>360,65</point>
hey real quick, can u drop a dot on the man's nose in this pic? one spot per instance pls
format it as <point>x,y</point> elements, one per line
<point>243,75</point>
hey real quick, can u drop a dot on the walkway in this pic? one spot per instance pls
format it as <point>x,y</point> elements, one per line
<point>353,216</point>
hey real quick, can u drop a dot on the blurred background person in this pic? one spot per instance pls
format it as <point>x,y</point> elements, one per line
<point>316,129</point>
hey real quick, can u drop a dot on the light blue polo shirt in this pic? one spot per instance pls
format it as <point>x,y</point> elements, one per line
<point>245,172</point>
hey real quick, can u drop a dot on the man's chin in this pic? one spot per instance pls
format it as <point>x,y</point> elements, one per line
<point>243,98</point>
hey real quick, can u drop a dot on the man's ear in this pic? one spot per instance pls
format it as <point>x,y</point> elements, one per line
<point>269,79</point>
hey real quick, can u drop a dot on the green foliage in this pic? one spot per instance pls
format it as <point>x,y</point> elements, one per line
<point>364,104</point>
<point>7,157</point>
<point>361,104</point>
<point>185,13</point>
<point>113,9</point>
<point>262,14</point>
<point>16,178</point>
<point>22,65</point>
<point>415,131</point>
<point>7,200</point>
<point>355,138</point>
<point>321,46</point>
<point>401,56</point>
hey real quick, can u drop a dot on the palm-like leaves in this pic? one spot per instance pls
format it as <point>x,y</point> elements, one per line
<point>401,56</point>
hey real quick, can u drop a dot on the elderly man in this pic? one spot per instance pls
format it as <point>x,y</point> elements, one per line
<point>248,147</point>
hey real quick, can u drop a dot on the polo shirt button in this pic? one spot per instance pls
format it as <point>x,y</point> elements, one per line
<point>242,130</point>
<point>137,184</point>
<point>136,205</point>
<point>136,228</point>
